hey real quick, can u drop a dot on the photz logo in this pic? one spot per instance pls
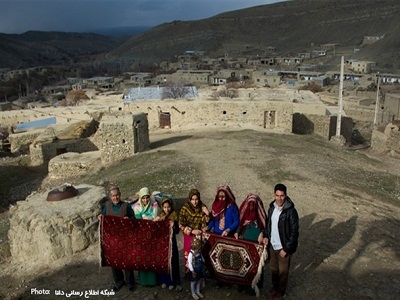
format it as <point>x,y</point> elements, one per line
<point>35,291</point>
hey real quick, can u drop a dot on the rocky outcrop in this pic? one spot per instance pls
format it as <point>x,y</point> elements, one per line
<point>42,231</point>
<point>387,141</point>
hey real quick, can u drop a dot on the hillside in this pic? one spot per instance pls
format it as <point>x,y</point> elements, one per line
<point>36,48</point>
<point>293,26</point>
<point>290,27</point>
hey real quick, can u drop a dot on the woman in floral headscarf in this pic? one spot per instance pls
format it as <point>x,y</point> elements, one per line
<point>253,220</point>
<point>148,209</point>
<point>225,212</point>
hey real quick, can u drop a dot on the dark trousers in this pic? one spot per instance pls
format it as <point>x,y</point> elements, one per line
<point>120,280</point>
<point>279,270</point>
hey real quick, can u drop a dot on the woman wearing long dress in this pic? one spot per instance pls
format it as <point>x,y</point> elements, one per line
<point>146,209</point>
<point>193,218</point>
<point>253,219</point>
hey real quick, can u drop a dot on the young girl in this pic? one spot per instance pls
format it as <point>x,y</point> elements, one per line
<point>196,267</point>
<point>169,214</point>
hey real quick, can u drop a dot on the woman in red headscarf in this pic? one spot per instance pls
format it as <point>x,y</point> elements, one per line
<point>225,212</point>
<point>253,220</point>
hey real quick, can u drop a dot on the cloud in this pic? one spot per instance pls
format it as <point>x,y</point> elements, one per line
<point>17,16</point>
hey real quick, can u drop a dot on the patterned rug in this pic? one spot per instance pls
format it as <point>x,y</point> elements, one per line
<point>233,261</point>
<point>133,244</point>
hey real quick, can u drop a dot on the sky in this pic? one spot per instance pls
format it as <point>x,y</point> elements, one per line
<point>19,16</point>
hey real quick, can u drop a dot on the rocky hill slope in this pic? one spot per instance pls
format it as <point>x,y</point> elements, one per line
<point>36,48</point>
<point>290,27</point>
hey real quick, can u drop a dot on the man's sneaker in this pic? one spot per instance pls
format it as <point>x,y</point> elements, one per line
<point>195,297</point>
<point>200,295</point>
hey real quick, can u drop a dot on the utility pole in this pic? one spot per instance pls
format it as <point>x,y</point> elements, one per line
<point>377,101</point>
<point>339,116</point>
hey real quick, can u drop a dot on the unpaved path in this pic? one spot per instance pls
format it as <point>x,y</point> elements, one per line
<point>349,242</point>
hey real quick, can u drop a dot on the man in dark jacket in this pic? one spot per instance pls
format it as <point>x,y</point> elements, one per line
<point>281,235</point>
<point>116,207</point>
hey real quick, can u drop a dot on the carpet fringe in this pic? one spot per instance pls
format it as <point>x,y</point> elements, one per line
<point>256,278</point>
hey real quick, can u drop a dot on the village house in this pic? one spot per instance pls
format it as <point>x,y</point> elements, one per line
<point>392,106</point>
<point>304,55</point>
<point>360,66</point>
<point>191,76</point>
<point>267,77</point>
<point>308,75</point>
<point>254,62</point>
<point>317,53</point>
<point>10,74</point>
<point>210,62</point>
<point>370,39</point>
<point>162,79</point>
<point>270,50</point>
<point>100,82</point>
<point>141,78</point>
<point>223,77</point>
<point>389,78</point>
<point>192,53</point>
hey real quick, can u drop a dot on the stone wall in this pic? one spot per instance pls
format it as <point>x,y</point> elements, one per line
<point>387,141</point>
<point>41,153</point>
<point>121,135</point>
<point>184,114</point>
<point>42,231</point>
<point>19,142</point>
<point>324,126</point>
<point>361,113</point>
<point>73,164</point>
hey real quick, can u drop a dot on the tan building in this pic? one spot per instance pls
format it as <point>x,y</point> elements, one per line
<point>191,76</point>
<point>361,66</point>
<point>183,114</point>
<point>267,78</point>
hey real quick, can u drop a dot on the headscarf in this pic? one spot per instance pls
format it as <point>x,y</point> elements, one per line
<point>248,216</point>
<point>219,206</point>
<point>150,211</point>
<point>192,216</point>
<point>172,215</point>
<point>143,192</point>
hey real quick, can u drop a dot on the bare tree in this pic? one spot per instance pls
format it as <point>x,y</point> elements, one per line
<point>175,91</point>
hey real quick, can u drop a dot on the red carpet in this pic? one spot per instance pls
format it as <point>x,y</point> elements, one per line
<point>233,261</point>
<point>133,244</point>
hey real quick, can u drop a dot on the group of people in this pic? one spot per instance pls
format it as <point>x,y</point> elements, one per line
<point>277,229</point>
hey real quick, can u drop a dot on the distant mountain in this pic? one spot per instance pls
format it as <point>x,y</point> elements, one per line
<point>128,31</point>
<point>290,27</point>
<point>38,48</point>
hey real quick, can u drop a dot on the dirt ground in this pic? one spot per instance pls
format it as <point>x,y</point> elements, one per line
<point>348,203</point>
